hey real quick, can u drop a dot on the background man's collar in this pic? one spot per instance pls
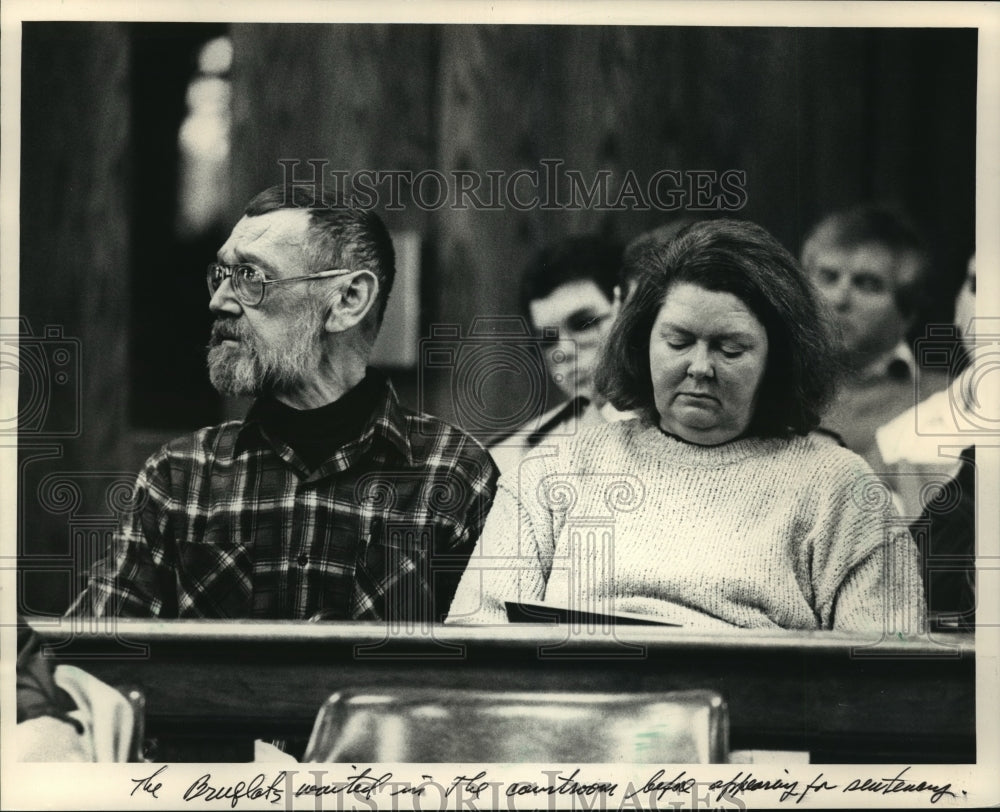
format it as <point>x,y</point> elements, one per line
<point>897,363</point>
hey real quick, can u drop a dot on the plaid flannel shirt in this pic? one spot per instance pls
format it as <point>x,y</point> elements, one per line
<point>229,523</point>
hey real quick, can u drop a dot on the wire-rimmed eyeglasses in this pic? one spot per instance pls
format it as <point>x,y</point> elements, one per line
<point>250,284</point>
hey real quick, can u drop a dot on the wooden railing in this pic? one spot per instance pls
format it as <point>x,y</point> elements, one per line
<point>213,687</point>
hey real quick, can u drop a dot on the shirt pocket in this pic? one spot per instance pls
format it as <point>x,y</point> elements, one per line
<point>394,579</point>
<point>214,579</point>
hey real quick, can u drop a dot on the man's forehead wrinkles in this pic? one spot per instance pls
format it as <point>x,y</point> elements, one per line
<point>266,230</point>
<point>262,228</point>
<point>257,239</point>
<point>282,225</point>
<point>244,233</point>
<point>277,235</point>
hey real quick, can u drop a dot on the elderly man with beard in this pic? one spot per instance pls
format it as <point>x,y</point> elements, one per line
<point>329,500</point>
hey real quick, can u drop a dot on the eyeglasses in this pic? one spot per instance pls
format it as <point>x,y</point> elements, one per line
<point>249,284</point>
<point>578,326</point>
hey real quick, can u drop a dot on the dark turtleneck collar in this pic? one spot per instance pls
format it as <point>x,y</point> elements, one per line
<point>315,434</point>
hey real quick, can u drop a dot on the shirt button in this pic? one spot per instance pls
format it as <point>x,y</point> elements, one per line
<point>302,560</point>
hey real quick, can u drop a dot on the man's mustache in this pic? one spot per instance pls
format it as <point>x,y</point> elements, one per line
<point>223,330</point>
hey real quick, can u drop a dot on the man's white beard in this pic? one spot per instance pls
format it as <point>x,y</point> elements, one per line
<point>251,368</point>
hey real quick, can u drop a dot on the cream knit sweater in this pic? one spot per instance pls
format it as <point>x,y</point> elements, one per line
<point>792,534</point>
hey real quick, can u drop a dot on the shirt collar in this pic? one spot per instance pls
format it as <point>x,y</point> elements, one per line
<point>389,423</point>
<point>898,362</point>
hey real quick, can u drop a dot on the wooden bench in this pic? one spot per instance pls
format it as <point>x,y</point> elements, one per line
<point>212,687</point>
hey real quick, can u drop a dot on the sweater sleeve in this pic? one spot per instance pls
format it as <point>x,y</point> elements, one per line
<point>509,563</point>
<point>867,570</point>
<point>883,592</point>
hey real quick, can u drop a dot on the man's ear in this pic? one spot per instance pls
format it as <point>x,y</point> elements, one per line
<point>355,296</point>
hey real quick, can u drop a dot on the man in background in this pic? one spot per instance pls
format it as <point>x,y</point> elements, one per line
<point>567,294</point>
<point>870,265</point>
<point>330,500</point>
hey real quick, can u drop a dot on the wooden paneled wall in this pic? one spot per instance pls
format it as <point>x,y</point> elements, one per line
<point>75,266</point>
<point>323,92</point>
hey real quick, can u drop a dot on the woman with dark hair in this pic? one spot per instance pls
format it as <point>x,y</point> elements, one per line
<point>716,506</point>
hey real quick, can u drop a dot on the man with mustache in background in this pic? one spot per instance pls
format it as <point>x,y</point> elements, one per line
<point>329,500</point>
